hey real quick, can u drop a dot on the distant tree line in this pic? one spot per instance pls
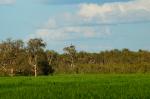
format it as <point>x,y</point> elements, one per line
<point>31,58</point>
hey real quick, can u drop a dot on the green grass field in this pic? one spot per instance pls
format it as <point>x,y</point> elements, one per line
<point>101,86</point>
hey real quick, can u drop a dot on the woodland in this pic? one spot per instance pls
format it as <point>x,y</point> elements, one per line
<point>32,59</point>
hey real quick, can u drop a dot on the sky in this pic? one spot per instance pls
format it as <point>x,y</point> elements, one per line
<point>90,25</point>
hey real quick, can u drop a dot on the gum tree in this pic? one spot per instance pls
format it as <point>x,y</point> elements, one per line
<point>34,47</point>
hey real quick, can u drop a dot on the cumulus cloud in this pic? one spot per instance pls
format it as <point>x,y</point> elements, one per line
<point>118,12</point>
<point>54,30</point>
<point>69,26</point>
<point>7,2</point>
<point>93,20</point>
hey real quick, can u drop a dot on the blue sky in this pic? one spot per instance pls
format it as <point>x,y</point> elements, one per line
<point>91,25</point>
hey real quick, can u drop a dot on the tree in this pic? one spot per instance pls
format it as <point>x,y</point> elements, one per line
<point>43,65</point>
<point>10,50</point>
<point>71,52</point>
<point>52,57</point>
<point>35,46</point>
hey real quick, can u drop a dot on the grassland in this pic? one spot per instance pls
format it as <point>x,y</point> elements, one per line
<point>115,86</point>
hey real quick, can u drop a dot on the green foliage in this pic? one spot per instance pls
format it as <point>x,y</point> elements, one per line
<point>44,67</point>
<point>18,58</point>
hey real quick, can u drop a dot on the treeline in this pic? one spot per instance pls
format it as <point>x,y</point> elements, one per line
<point>31,58</point>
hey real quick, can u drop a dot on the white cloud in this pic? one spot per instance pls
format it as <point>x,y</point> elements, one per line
<point>68,33</point>
<point>89,20</point>
<point>7,2</point>
<point>67,30</point>
<point>51,34</point>
<point>131,11</point>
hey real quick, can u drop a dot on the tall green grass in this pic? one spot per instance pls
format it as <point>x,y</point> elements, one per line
<point>115,86</point>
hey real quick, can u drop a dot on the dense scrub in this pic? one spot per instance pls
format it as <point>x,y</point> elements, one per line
<point>76,87</point>
<point>31,58</point>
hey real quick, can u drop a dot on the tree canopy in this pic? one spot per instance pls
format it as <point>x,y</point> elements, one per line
<point>32,58</point>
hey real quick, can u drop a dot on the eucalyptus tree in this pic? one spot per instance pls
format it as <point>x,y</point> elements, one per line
<point>52,57</point>
<point>9,50</point>
<point>71,52</point>
<point>34,47</point>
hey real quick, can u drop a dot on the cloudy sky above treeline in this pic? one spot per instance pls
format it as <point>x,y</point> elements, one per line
<point>90,25</point>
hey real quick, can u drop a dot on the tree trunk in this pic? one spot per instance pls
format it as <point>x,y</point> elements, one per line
<point>50,62</point>
<point>72,62</point>
<point>35,71</point>
<point>12,72</point>
<point>34,65</point>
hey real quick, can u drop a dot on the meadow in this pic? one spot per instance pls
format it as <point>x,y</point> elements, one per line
<point>82,86</point>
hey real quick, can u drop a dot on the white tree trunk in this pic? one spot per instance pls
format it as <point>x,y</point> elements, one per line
<point>35,71</point>
<point>11,72</point>
<point>34,66</point>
